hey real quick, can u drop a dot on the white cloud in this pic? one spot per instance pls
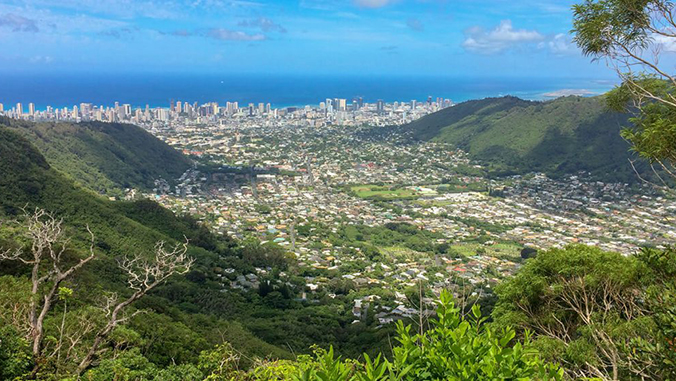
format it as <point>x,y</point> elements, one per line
<point>264,24</point>
<point>667,44</point>
<point>40,59</point>
<point>233,35</point>
<point>18,23</point>
<point>372,3</point>
<point>561,45</point>
<point>339,5</point>
<point>415,24</point>
<point>499,39</point>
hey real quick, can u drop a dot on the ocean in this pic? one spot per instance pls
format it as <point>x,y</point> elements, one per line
<point>158,90</point>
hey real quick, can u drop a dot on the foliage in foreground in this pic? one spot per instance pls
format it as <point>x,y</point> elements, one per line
<point>454,348</point>
<point>632,35</point>
<point>599,313</point>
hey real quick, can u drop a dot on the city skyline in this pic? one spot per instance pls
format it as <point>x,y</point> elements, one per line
<point>390,37</point>
<point>338,111</point>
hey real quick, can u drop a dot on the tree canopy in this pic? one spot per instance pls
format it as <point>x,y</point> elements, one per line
<point>632,37</point>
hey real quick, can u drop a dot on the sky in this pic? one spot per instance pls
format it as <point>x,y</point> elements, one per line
<point>471,38</point>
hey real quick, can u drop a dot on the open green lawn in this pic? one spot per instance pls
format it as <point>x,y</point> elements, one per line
<point>501,250</point>
<point>382,192</point>
<point>401,253</point>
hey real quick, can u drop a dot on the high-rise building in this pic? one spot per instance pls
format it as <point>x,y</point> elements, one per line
<point>85,108</point>
<point>2,107</point>
<point>268,108</point>
<point>179,107</point>
<point>31,109</point>
<point>19,109</point>
<point>341,104</point>
<point>380,106</point>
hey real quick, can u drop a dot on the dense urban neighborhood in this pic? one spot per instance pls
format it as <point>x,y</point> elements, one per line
<point>374,212</point>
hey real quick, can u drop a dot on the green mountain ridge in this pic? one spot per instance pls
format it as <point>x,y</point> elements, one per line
<point>557,137</point>
<point>121,228</point>
<point>189,314</point>
<point>103,157</point>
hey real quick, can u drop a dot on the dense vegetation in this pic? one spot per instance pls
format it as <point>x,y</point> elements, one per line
<point>556,137</point>
<point>599,314</point>
<point>631,35</point>
<point>188,314</point>
<point>103,157</point>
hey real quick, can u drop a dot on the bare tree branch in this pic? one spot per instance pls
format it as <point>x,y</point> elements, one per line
<point>142,276</point>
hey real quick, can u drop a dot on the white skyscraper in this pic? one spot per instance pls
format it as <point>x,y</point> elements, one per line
<point>19,109</point>
<point>31,109</point>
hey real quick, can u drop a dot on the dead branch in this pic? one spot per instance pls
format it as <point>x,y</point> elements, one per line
<point>142,276</point>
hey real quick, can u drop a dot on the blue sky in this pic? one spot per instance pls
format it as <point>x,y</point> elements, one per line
<point>500,38</point>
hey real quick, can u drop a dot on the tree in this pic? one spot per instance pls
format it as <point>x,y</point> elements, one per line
<point>528,252</point>
<point>49,267</point>
<point>587,308</point>
<point>631,36</point>
<point>454,348</point>
<point>142,276</point>
<point>659,351</point>
<point>15,354</point>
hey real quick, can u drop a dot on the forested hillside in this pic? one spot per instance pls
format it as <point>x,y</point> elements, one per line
<point>556,137</point>
<point>122,229</point>
<point>187,315</point>
<point>103,157</point>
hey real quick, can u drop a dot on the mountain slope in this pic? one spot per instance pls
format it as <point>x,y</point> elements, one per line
<point>121,228</point>
<point>104,157</point>
<point>429,127</point>
<point>562,136</point>
<point>197,310</point>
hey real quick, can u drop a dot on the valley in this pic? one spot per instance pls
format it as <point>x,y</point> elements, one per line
<point>375,215</point>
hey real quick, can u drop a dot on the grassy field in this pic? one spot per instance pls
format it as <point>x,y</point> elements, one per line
<point>401,253</point>
<point>382,192</point>
<point>499,250</point>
